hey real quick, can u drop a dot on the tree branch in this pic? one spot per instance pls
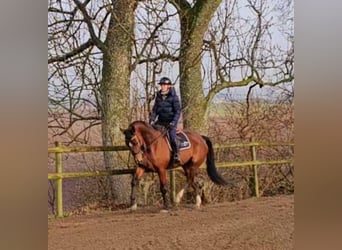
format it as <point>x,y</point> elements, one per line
<point>87,19</point>
<point>72,53</point>
<point>159,57</point>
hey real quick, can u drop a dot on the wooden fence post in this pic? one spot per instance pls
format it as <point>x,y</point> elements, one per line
<point>59,182</point>
<point>255,169</point>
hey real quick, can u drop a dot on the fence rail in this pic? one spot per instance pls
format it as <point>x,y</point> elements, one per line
<point>59,175</point>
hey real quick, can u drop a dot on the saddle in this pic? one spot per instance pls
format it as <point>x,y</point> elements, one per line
<point>182,141</point>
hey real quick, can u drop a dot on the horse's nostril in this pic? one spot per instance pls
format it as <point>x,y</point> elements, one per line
<point>139,161</point>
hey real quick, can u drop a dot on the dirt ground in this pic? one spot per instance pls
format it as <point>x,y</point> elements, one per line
<point>264,223</point>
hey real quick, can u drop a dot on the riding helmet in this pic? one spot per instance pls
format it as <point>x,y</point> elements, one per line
<point>165,80</point>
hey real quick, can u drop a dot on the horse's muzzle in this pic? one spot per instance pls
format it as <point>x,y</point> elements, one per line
<point>139,162</point>
<point>138,158</point>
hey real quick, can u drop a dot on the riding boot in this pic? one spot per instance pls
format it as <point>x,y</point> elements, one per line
<point>175,155</point>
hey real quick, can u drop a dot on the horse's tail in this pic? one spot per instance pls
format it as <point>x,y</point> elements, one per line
<point>211,168</point>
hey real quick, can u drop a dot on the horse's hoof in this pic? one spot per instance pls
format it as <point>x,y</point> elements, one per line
<point>164,211</point>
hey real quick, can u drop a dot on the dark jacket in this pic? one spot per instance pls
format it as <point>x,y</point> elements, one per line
<point>167,110</point>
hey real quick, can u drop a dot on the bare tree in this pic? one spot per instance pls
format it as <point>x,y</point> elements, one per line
<point>90,50</point>
<point>239,49</point>
<point>74,71</point>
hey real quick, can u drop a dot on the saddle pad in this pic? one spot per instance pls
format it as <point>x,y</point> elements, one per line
<point>182,141</point>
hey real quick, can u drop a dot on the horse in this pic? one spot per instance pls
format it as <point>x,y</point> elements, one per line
<point>150,149</point>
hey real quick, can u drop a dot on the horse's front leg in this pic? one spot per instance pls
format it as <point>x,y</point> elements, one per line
<point>163,188</point>
<point>135,183</point>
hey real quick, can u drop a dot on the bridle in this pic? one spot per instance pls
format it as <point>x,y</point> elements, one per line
<point>156,139</point>
<point>138,149</point>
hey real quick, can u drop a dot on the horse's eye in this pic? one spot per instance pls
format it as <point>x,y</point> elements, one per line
<point>142,148</point>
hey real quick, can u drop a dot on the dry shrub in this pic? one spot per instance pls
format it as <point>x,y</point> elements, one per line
<point>264,122</point>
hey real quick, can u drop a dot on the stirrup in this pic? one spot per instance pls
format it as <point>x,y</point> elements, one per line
<point>176,159</point>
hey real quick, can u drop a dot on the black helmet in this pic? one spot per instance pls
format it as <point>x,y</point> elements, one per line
<point>165,80</point>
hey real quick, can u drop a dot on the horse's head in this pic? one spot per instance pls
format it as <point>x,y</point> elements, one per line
<point>135,144</point>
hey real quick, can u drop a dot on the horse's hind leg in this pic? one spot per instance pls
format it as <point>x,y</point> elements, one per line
<point>180,194</point>
<point>164,189</point>
<point>193,173</point>
<point>190,174</point>
<point>197,193</point>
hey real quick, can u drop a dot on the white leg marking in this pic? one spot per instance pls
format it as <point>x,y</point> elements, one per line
<point>180,194</point>
<point>198,201</point>
<point>134,207</point>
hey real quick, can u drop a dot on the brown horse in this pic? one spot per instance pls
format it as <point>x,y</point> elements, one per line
<point>151,152</point>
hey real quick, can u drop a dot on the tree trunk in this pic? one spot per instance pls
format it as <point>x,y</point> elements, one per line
<point>194,24</point>
<point>193,100</point>
<point>115,91</point>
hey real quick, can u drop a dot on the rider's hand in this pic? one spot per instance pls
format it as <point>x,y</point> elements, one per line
<point>171,125</point>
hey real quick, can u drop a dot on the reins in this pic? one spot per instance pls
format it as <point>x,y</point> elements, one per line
<point>155,139</point>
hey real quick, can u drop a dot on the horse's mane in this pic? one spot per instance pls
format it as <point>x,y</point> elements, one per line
<point>140,122</point>
<point>147,125</point>
<point>143,123</point>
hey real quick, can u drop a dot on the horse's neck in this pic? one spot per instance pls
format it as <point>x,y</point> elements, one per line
<point>149,135</point>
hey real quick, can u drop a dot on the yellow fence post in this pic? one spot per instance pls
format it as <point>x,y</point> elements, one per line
<point>59,183</point>
<point>255,169</point>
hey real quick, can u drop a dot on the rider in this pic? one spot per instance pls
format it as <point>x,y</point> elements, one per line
<point>168,109</point>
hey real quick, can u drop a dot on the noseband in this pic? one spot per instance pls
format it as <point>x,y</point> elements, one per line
<point>137,149</point>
